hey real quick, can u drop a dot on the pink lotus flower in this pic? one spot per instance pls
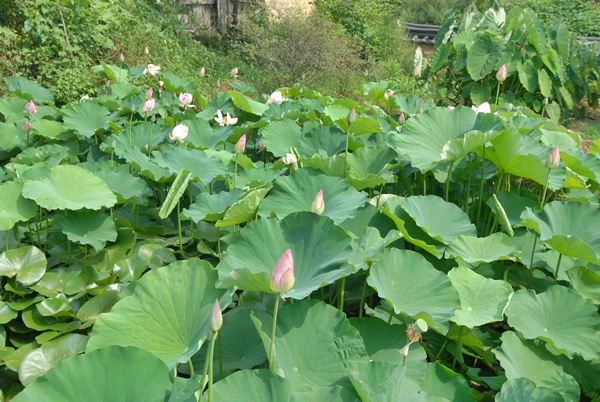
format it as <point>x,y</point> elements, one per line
<point>282,276</point>
<point>501,74</point>
<point>351,118</point>
<point>149,105</point>
<point>30,107</point>
<point>401,118</point>
<point>185,99</point>
<point>289,159</point>
<point>235,71</point>
<point>240,146</point>
<point>149,93</point>
<point>553,159</point>
<point>318,204</point>
<point>388,94</point>
<point>202,71</point>
<point>215,320</point>
<point>179,133</point>
<point>276,98</point>
<point>146,51</point>
<point>27,126</point>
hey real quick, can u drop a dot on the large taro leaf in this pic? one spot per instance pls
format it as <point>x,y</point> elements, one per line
<point>280,135</point>
<point>89,227</point>
<point>296,192</point>
<point>559,315</point>
<point>316,353</point>
<point>203,167</point>
<point>253,385</point>
<point>442,135</point>
<point>28,263</point>
<point>86,118</point>
<point>568,227</point>
<point>482,300</point>
<point>414,287</point>
<point>167,313</point>
<point>70,187</point>
<point>524,390</point>
<point>319,249</point>
<point>479,250</point>
<point>484,55</point>
<point>13,207</point>
<point>109,374</point>
<point>525,359</point>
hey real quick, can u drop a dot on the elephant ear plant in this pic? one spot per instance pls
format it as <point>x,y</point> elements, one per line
<point>148,238</point>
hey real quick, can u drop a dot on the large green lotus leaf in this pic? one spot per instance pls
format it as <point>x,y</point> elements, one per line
<point>369,167</point>
<point>587,373</point>
<point>176,84</point>
<point>482,300</point>
<point>12,108</point>
<point>279,136</point>
<point>315,353</point>
<point>384,341</point>
<point>246,104</point>
<point>554,316</point>
<point>139,135</point>
<point>128,188</point>
<point>520,155</point>
<point>237,352</point>
<point>40,360</point>
<point>479,250</point>
<point>319,249</point>
<point>414,287</point>
<point>13,207</point>
<point>441,382</point>
<point>524,390</point>
<point>329,140</point>
<point>167,313</point>
<point>410,104</point>
<point>485,55</point>
<point>413,234</point>
<point>109,374</point>
<point>52,154</point>
<point>245,209</point>
<point>586,282</point>
<point>86,118</point>
<point>27,262</point>
<point>50,129</point>
<point>253,385</point>
<point>144,164</point>
<point>211,207</point>
<point>569,228</point>
<point>29,89</point>
<point>295,193</point>
<point>583,164</point>
<point>202,166</point>
<point>526,359</point>
<point>89,227</point>
<point>515,202</point>
<point>70,187</point>
<point>202,135</point>
<point>11,137</point>
<point>443,221</point>
<point>442,135</point>
<point>384,381</point>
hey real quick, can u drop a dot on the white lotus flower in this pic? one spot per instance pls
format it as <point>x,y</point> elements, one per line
<point>289,159</point>
<point>483,108</point>
<point>152,69</point>
<point>388,94</point>
<point>276,98</point>
<point>179,133</point>
<point>185,99</point>
<point>225,121</point>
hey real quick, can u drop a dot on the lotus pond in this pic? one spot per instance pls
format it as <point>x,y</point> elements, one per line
<point>453,256</point>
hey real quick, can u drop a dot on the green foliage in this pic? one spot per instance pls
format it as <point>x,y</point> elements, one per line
<point>544,62</point>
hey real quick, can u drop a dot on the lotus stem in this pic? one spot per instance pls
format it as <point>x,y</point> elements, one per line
<point>531,262</point>
<point>271,348</point>
<point>211,351</point>
<point>447,187</point>
<point>342,290</point>
<point>439,353</point>
<point>481,185</point>
<point>235,170</point>
<point>179,226</point>
<point>362,298</point>
<point>557,268</point>
<point>346,152</point>
<point>191,367</point>
<point>458,347</point>
<point>545,190</point>
<point>150,140</point>
<point>220,346</point>
<point>468,196</point>
<point>498,93</point>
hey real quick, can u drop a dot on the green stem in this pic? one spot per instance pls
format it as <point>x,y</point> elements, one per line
<point>362,298</point>
<point>346,152</point>
<point>211,352</point>
<point>191,367</point>
<point>468,185</point>
<point>150,140</point>
<point>342,291</point>
<point>545,190</point>
<point>557,268</point>
<point>531,262</point>
<point>441,350</point>
<point>447,187</point>
<point>458,348</point>
<point>220,346</point>
<point>497,93</point>
<point>481,185</point>
<point>271,348</point>
<point>235,171</point>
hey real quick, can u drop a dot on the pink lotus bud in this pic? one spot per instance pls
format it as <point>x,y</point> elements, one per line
<point>202,71</point>
<point>276,98</point>
<point>546,100</point>
<point>420,109</point>
<point>553,159</point>
<point>215,320</point>
<point>149,105</point>
<point>261,146</point>
<point>501,74</point>
<point>401,118</point>
<point>146,50</point>
<point>132,107</point>
<point>30,107</point>
<point>218,83</point>
<point>121,57</point>
<point>417,70</point>
<point>185,99</point>
<point>351,118</point>
<point>240,146</point>
<point>113,144</point>
<point>318,204</point>
<point>282,277</point>
<point>149,93</point>
<point>234,71</point>
<point>289,159</point>
<point>179,133</point>
<point>27,126</point>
